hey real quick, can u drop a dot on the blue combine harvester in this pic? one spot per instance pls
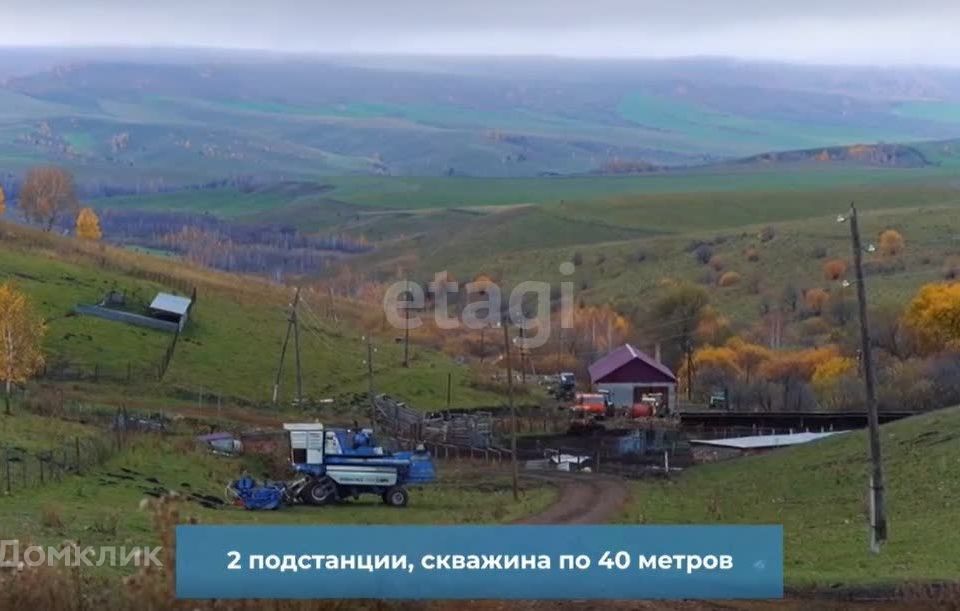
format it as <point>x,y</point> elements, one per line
<point>336,464</point>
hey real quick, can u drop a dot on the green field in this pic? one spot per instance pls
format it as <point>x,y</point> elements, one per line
<point>818,493</point>
<point>104,502</point>
<point>231,345</point>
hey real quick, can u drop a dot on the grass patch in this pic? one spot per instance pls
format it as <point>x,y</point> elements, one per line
<point>229,348</point>
<point>37,433</point>
<point>819,493</point>
<point>102,505</point>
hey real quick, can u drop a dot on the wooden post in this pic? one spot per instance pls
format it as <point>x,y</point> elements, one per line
<point>283,348</point>
<point>406,327</point>
<point>513,411</point>
<point>876,476</point>
<point>373,401</point>
<point>482,351</point>
<point>296,348</point>
<point>449,387</point>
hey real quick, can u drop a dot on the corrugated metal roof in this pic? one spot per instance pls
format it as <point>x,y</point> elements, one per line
<point>765,441</point>
<point>165,302</point>
<point>620,357</point>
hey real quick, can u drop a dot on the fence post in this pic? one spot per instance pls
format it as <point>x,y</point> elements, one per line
<point>96,373</point>
<point>40,463</point>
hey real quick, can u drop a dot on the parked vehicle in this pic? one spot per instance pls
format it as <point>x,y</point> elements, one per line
<point>564,387</point>
<point>597,405</point>
<point>336,464</point>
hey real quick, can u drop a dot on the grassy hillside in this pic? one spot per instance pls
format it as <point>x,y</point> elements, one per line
<point>232,343</point>
<point>627,232</point>
<point>818,492</point>
<point>137,116</point>
<point>103,502</point>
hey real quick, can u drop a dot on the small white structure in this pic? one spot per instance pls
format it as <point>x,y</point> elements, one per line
<point>172,308</point>
<point>762,442</point>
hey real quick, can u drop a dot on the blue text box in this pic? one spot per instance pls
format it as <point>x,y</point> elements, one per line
<point>624,562</point>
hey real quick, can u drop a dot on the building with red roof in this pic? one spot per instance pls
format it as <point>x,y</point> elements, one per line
<point>628,374</point>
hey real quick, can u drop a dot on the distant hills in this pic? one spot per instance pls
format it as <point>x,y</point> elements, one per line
<point>171,117</point>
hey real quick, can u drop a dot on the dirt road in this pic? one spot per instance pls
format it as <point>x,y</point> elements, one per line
<point>584,499</point>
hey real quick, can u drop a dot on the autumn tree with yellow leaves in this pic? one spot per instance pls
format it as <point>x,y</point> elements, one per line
<point>88,225</point>
<point>3,201</point>
<point>934,316</point>
<point>21,332</point>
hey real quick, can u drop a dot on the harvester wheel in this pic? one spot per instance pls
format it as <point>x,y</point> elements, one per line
<point>321,492</point>
<point>396,497</point>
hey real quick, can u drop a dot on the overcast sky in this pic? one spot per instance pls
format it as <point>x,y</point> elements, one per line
<point>831,31</point>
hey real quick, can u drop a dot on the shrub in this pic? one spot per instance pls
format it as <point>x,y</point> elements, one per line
<point>815,300</point>
<point>703,253</point>
<point>818,252</point>
<point>729,279</point>
<point>891,243</point>
<point>768,233</point>
<point>106,524</point>
<point>751,254</point>
<point>51,516</point>
<point>717,263</point>
<point>834,269</point>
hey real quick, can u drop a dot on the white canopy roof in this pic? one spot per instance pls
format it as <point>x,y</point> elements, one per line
<point>165,302</point>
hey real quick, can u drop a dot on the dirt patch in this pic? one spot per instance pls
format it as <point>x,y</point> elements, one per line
<point>584,499</point>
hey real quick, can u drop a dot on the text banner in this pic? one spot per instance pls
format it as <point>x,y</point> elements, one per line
<point>480,562</point>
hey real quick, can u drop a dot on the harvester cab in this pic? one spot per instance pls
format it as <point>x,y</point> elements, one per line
<point>337,463</point>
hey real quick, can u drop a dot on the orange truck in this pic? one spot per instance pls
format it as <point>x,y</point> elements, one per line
<point>597,404</point>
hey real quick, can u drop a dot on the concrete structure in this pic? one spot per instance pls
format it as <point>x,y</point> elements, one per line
<point>628,374</point>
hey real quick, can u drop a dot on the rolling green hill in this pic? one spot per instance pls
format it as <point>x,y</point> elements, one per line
<point>137,116</point>
<point>231,345</point>
<point>818,492</point>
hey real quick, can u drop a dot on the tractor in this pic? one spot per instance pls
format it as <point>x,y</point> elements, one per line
<point>335,464</point>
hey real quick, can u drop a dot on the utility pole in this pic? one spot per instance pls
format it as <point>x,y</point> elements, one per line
<point>523,365</point>
<point>560,350</point>
<point>878,518</point>
<point>296,347</point>
<point>283,349</point>
<point>449,388</point>
<point>406,327</point>
<point>482,349</point>
<point>513,411</point>
<point>373,402</point>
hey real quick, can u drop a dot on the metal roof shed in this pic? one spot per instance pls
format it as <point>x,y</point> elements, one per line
<point>628,374</point>
<point>171,307</point>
